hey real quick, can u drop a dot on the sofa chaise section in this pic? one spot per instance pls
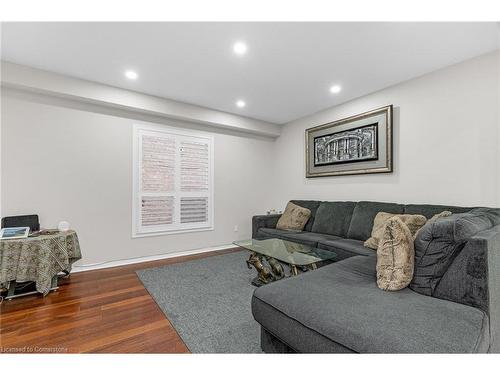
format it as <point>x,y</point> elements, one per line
<point>339,308</point>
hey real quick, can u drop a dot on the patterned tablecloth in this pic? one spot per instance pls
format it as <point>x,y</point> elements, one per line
<point>38,259</point>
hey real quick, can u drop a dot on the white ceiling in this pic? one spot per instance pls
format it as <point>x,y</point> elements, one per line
<point>285,75</point>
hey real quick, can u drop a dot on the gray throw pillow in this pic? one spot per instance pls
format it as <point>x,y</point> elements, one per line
<point>438,244</point>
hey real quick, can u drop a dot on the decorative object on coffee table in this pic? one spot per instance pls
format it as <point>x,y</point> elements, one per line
<point>264,273</point>
<point>276,252</point>
<point>355,145</point>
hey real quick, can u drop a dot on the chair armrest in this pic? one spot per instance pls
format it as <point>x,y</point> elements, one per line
<point>263,221</point>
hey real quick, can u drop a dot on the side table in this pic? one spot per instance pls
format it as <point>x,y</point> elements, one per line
<point>39,259</point>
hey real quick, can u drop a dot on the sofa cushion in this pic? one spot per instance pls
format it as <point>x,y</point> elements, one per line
<point>294,217</point>
<point>304,338</point>
<point>274,233</point>
<point>303,237</point>
<point>429,210</point>
<point>311,205</point>
<point>439,243</point>
<point>395,256</point>
<point>308,238</point>
<point>363,215</point>
<point>333,218</point>
<point>341,302</point>
<point>344,247</point>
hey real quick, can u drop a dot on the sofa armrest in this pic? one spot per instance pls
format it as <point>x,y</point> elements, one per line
<point>263,221</point>
<point>492,241</point>
<point>473,279</point>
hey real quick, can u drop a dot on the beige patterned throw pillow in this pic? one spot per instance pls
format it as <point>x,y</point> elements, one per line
<point>439,216</point>
<point>395,256</point>
<point>294,217</point>
<point>413,222</point>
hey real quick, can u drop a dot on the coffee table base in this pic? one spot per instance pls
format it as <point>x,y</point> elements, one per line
<point>273,270</point>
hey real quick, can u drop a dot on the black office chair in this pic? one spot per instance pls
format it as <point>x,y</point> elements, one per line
<point>31,221</point>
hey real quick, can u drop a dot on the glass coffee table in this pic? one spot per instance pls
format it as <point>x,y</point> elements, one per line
<point>276,252</point>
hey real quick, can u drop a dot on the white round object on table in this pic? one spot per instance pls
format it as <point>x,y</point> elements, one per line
<point>63,226</point>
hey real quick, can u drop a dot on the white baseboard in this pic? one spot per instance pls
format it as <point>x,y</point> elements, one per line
<point>124,262</point>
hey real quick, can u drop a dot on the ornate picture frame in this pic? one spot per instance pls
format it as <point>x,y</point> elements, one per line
<point>359,144</point>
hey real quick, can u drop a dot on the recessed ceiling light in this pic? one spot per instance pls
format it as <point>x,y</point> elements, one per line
<point>240,48</point>
<point>240,104</point>
<point>335,89</point>
<point>130,74</point>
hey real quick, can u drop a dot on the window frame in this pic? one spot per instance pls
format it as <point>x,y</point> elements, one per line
<point>137,193</point>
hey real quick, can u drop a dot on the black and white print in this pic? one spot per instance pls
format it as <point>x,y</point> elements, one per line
<point>348,146</point>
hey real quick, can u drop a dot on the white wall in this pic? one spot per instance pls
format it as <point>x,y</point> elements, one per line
<point>69,161</point>
<point>445,138</point>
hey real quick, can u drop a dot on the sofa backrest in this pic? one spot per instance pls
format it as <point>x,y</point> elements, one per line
<point>429,210</point>
<point>354,220</point>
<point>333,218</point>
<point>363,215</point>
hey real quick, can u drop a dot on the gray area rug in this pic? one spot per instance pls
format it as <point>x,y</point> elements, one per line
<point>208,302</point>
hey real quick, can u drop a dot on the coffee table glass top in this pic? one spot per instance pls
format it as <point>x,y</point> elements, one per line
<point>286,251</point>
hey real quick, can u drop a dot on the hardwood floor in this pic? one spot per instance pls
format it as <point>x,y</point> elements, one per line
<point>102,311</point>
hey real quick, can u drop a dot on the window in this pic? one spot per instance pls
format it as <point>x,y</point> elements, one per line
<point>173,181</point>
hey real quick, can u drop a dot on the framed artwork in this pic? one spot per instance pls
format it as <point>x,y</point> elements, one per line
<point>14,233</point>
<point>355,145</point>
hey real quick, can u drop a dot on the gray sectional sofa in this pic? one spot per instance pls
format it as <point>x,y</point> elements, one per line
<point>451,306</point>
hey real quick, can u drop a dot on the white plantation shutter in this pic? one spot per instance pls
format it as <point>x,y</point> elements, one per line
<point>157,210</point>
<point>194,210</point>
<point>158,164</point>
<point>195,180</point>
<point>173,180</point>
<point>194,166</point>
